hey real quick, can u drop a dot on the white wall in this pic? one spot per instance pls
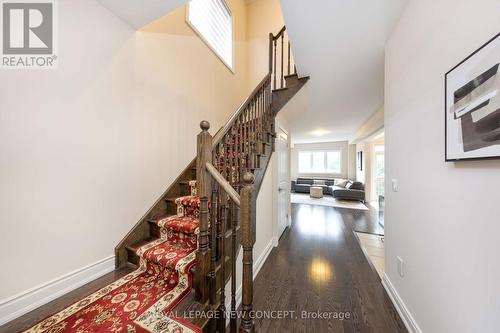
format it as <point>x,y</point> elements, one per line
<point>351,162</point>
<point>87,148</point>
<point>370,127</point>
<point>444,221</point>
<point>367,175</point>
<point>264,16</point>
<point>138,14</point>
<point>363,175</point>
<point>337,145</point>
<point>267,201</point>
<point>363,139</point>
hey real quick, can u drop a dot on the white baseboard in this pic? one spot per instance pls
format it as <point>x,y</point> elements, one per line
<point>404,313</point>
<point>22,303</point>
<point>275,241</point>
<point>262,258</point>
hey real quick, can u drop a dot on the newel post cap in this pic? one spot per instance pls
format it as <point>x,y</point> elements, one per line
<point>204,125</point>
<point>248,178</point>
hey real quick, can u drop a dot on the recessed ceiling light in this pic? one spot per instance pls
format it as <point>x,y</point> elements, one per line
<point>319,132</point>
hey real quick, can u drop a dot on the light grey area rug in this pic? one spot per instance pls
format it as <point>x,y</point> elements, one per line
<point>327,200</point>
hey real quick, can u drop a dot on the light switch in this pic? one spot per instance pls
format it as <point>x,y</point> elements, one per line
<point>401,266</point>
<point>395,185</point>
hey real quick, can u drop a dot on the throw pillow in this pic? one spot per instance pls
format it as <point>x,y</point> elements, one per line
<point>348,185</point>
<point>342,183</point>
<point>337,181</point>
<point>357,186</point>
<point>318,182</point>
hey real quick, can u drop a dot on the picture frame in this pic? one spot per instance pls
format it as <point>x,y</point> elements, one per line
<point>359,160</point>
<point>472,105</point>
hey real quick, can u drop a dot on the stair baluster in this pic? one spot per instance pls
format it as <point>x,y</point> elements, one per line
<point>277,63</point>
<point>288,62</point>
<point>282,62</point>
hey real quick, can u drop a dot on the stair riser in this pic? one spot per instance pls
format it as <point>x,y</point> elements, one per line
<point>154,230</point>
<point>133,258</point>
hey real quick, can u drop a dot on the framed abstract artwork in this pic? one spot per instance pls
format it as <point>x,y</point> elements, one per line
<point>472,105</point>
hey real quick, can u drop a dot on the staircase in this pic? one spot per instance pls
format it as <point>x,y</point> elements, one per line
<point>208,213</point>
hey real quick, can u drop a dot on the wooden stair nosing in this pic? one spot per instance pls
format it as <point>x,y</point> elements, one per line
<point>132,256</point>
<point>229,232</point>
<point>189,303</point>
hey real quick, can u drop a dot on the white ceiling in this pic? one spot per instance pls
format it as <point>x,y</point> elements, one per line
<point>139,13</point>
<point>340,45</point>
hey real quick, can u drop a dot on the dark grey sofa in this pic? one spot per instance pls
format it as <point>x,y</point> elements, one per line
<point>303,184</point>
<point>356,191</point>
<point>353,190</point>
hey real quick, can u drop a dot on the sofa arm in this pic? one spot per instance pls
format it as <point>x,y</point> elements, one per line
<point>349,194</point>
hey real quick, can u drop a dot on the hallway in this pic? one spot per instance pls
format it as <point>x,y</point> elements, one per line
<point>319,266</point>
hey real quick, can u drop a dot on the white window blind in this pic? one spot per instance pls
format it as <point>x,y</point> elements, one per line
<point>212,20</point>
<point>320,161</point>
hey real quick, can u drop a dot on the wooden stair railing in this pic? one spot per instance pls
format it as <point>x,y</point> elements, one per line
<point>228,209</point>
<point>226,165</point>
<point>229,169</point>
<point>280,53</point>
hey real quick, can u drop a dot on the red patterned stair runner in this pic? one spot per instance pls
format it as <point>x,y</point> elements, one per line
<point>142,301</point>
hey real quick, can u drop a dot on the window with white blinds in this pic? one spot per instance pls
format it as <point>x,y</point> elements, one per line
<point>212,20</point>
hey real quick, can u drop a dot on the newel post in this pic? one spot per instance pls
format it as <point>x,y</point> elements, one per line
<point>247,220</point>
<point>203,187</point>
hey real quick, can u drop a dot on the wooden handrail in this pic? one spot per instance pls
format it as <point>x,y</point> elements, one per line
<point>223,183</point>
<point>281,32</point>
<point>220,134</point>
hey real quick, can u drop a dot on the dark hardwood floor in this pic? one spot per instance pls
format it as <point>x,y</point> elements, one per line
<point>319,266</point>
<point>362,220</point>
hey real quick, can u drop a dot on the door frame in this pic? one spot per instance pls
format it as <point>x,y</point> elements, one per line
<point>276,216</point>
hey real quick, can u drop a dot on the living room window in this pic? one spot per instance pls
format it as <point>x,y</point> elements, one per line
<point>213,22</point>
<point>320,161</point>
<point>379,170</point>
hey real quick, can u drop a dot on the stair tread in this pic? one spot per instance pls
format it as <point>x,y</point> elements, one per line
<point>156,219</point>
<point>185,224</point>
<point>188,304</point>
<point>172,199</point>
<point>228,233</point>
<point>135,246</point>
<point>166,253</point>
<point>218,266</point>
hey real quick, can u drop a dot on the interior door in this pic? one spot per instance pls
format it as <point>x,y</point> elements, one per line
<point>283,180</point>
